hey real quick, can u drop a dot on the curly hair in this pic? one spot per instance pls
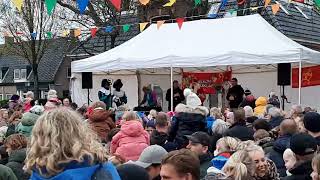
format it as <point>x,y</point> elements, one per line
<point>58,137</point>
<point>16,141</point>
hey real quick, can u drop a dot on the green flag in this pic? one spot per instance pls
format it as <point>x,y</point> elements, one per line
<point>317,2</point>
<point>50,5</point>
<point>197,2</point>
<point>126,27</point>
<point>49,35</point>
<point>231,11</point>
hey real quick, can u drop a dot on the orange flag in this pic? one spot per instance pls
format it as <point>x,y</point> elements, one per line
<point>143,26</point>
<point>77,32</point>
<point>144,2</point>
<point>275,8</point>
<point>159,24</point>
<point>266,3</point>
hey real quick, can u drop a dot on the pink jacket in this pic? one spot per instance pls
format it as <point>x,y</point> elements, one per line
<point>130,141</point>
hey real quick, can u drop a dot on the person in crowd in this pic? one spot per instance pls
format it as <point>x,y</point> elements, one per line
<point>225,147</point>
<point>308,109</point>
<point>4,117</point>
<point>4,156</point>
<point>27,122</point>
<point>13,121</point>
<point>160,135</point>
<point>63,147</point>
<point>315,175</point>
<point>296,111</point>
<point>199,143</point>
<point>101,122</point>
<point>3,131</point>
<point>230,118</point>
<point>289,160</point>
<point>261,124</point>
<point>132,138</point>
<point>104,93</point>
<point>27,101</point>
<point>304,148</point>
<point>150,159</point>
<point>219,128</point>
<point>260,108</point>
<point>149,97</point>
<point>215,114</point>
<point>178,96</point>
<point>311,123</point>
<point>74,106</point>
<point>150,121</point>
<point>265,168</point>
<point>120,97</point>
<point>16,145</point>
<point>235,94</point>
<point>238,128</point>
<point>250,118</point>
<point>249,100</point>
<point>263,139</point>
<point>14,102</point>
<point>188,119</point>
<point>52,100</point>
<point>275,117</point>
<point>287,128</point>
<point>37,109</point>
<point>66,102</point>
<point>132,172</point>
<point>180,164</point>
<point>6,173</point>
<point>274,100</point>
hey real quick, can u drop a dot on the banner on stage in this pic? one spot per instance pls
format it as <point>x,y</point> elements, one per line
<point>206,82</point>
<point>310,76</point>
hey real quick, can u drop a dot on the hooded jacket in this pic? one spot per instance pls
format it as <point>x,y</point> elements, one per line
<point>6,173</point>
<point>261,104</point>
<point>16,163</point>
<point>161,139</point>
<point>241,131</point>
<point>300,172</point>
<point>130,141</point>
<point>101,122</point>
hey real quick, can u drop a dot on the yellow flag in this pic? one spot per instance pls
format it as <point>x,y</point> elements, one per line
<point>254,8</point>
<point>77,32</point>
<point>267,2</point>
<point>275,8</point>
<point>170,3</point>
<point>18,4</point>
<point>65,33</point>
<point>159,24</point>
<point>144,2</point>
<point>143,26</point>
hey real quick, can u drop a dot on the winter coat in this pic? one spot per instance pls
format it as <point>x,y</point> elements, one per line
<point>272,172</point>
<point>248,101</point>
<point>210,121</point>
<point>275,122</point>
<point>205,163</point>
<point>220,160</point>
<point>237,92</point>
<point>82,171</point>
<point>240,131</point>
<point>161,139</point>
<point>101,122</point>
<point>318,140</point>
<point>16,163</point>
<point>276,154</point>
<point>266,143</point>
<point>176,99</point>
<point>187,121</point>
<point>130,141</point>
<point>216,174</point>
<point>300,172</point>
<point>6,173</point>
<point>260,108</point>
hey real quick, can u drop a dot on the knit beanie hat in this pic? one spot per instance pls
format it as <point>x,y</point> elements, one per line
<point>311,122</point>
<point>192,99</point>
<point>29,119</point>
<point>132,172</point>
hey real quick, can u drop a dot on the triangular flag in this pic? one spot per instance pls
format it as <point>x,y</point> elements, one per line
<point>109,29</point>
<point>266,3</point>
<point>93,31</point>
<point>160,23</point>
<point>50,5</point>
<point>254,8</point>
<point>116,4</point>
<point>65,33</point>
<point>143,26</point>
<point>275,8</point>
<point>77,32</point>
<point>49,35</point>
<point>19,33</point>
<point>82,4</point>
<point>18,4</point>
<point>34,35</point>
<point>231,11</point>
<point>126,27</point>
<point>170,3</point>
<point>197,2</point>
<point>144,2</point>
<point>180,22</point>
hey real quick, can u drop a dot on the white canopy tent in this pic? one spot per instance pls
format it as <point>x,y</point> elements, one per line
<point>242,40</point>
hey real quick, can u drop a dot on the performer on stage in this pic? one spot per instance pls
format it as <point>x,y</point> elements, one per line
<point>120,97</point>
<point>105,93</point>
<point>149,98</point>
<point>178,96</point>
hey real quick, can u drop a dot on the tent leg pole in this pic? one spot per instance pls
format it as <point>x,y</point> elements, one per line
<point>171,85</point>
<point>300,77</point>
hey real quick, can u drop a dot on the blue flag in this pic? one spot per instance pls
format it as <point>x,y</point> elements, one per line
<point>109,29</point>
<point>82,4</point>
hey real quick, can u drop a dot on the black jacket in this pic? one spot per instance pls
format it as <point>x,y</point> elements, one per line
<point>301,172</point>
<point>16,163</point>
<point>240,131</point>
<point>276,121</point>
<point>205,163</point>
<point>237,92</point>
<point>176,100</point>
<point>161,139</point>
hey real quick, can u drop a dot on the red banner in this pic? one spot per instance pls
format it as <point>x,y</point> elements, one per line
<point>205,82</point>
<point>310,76</point>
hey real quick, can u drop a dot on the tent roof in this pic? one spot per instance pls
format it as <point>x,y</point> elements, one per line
<point>242,40</point>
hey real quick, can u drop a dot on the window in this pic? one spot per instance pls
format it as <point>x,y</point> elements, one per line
<point>1,97</point>
<point>16,74</point>
<point>23,74</point>
<point>8,96</point>
<point>69,72</point>
<point>0,75</point>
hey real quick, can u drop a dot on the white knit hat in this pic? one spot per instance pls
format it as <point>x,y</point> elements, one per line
<point>192,99</point>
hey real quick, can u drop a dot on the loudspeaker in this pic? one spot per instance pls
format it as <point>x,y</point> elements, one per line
<point>87,80</point>
<point>284,74</point>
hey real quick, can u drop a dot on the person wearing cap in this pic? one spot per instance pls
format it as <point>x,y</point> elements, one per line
<point>150,159</point>
<point>249,100</point>
<point>199,143</point>
<point>304,146</point>
<point>178,96</point>
<point>235,94</point>
<point>28,120</point>
<point>311,122</point>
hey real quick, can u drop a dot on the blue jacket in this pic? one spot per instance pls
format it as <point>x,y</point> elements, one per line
<point>81,172</point>
<point>210,122</point>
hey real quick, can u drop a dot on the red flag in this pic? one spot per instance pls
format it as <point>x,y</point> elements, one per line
<point>180,22</point>
<point>310,76</point>
<point>116,4</point>
<point>93,32</point>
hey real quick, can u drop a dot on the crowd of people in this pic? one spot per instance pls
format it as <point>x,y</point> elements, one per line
<point>251,140</point>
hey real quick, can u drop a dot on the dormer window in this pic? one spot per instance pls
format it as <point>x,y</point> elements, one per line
<point>3,72</point>
<point>17,74</point>
<point>23,74</point>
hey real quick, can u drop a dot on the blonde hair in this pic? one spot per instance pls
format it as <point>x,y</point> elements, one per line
<point>216,113</point>
<point>59,136</point>
<point>253,147</point>
<point>130,115</point>
<point>244,144</point>
<point>239,166</point>
<point>219,127</point>
<point>99,104</point>
<point>153,113</point>
<point>227,144</point>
